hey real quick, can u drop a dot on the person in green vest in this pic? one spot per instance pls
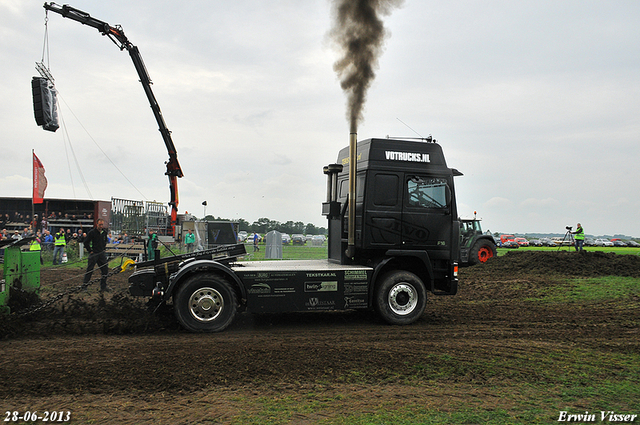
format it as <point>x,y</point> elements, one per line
<point>190,240</point>
<point>35,246</point>
<point>152,245</point>
<point>579,237</point>
<point>59,243</point>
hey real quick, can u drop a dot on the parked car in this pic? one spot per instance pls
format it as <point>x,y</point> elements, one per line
<point>505,238</point>
<point>589,242</point>
<point>286,239</point>
<point>547,242</point>
<point>603,242</point>
<point>562,241</point>
<point>510,244</point>
<point>317,240</point>
<point>619,243</point>
<point>633,244</point>
<point>535,242</point>
<point>522,241</point>
<point>298,239</point>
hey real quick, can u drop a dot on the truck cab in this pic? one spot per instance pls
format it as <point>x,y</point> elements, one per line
<point>406,210</point>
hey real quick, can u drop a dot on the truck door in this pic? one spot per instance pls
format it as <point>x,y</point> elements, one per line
<point>426,218</point>
<point>383,214</point>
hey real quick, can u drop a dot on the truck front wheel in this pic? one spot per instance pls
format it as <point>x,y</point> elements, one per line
<point>400,298</point>
<point>482,251</point>
<point>205,303</point>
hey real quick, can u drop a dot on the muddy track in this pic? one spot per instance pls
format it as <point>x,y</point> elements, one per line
<point>102,347</point>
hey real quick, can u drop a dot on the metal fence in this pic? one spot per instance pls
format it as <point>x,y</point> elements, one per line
<point>135,217</point>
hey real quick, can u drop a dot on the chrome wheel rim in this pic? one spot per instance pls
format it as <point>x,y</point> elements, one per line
<point>403,299</point>
<point>206,304</point>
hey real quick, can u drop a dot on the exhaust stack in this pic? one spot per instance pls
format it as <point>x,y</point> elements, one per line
<point>351,236</point>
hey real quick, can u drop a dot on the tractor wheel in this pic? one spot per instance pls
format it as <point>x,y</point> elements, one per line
<point>482,251</point>
<point>205,303</point>
<point>400,298</point>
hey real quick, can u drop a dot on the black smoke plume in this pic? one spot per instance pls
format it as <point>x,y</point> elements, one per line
<point>359,33</point>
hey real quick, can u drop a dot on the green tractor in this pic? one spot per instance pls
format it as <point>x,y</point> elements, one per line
<point>475,247</point>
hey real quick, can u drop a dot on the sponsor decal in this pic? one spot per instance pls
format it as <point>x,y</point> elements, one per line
<point>315,303</point>
<point>355,275</point>
<point>356,288</point>
<point>321,286</point>
<point>407,156</point>
<point>268,277</point>
<point>283,290</point>
<point>321,275</point>
<point>353,302</point>
<point>345,161</point>
<point>259,288</point>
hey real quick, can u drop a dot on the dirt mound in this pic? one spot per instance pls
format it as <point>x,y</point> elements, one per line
<point>566,263</point>
<point>119,314</point>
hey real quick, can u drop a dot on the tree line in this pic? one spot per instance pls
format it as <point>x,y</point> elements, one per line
<point>264,225</point>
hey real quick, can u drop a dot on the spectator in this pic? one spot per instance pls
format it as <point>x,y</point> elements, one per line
<point>95,244</point>
<point>190,240</point>
<point>152,244</point>
<point>60,243</point>
<point>47,242</point>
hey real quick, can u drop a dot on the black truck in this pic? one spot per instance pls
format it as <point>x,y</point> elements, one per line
<point>406,244</point>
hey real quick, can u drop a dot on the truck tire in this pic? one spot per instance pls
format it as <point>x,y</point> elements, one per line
<point>401,298</point>
<point>205,303</point>
<point>481,252</point>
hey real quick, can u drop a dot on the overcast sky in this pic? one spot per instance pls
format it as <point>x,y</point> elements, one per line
<point>536,102</point>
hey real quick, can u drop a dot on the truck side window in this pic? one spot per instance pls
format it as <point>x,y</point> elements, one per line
<point>427,192</point>
<point>385,190</point>
<point>343,189</point>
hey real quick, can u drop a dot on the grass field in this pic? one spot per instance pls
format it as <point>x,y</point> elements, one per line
<point>615,249</point>
<point>290,252</point>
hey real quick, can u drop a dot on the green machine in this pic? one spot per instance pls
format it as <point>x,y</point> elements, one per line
<point>21,269</point>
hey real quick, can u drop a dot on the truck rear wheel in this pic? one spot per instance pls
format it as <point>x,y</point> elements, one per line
<point>205,303</point>
<point>400,298</point>
<point>482,251</point>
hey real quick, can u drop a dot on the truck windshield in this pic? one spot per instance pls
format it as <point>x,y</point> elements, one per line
<point>427,192</point>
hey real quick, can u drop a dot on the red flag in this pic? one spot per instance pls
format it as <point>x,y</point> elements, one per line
<point>39,181</point>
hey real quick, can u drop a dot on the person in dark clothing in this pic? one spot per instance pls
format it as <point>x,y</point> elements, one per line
<point>95,243</point>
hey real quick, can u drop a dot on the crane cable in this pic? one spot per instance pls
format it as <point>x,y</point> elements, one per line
<point>44,71</point>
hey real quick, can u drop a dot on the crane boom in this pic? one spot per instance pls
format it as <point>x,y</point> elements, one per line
<point>116,34</point>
